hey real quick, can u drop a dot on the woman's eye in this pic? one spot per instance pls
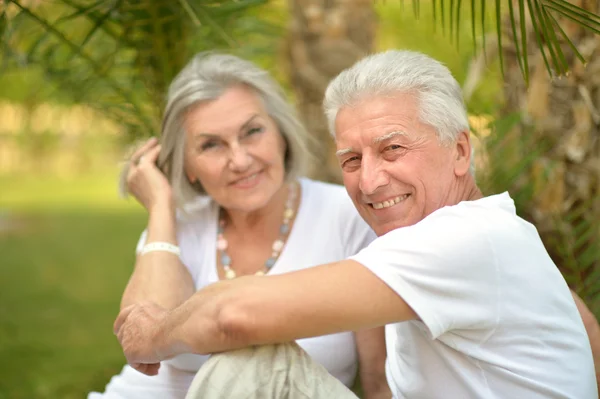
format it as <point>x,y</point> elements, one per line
<point>254,130</point>
<point>208,145</point>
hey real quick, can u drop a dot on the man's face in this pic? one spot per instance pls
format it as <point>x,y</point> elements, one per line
<point>394,167</point>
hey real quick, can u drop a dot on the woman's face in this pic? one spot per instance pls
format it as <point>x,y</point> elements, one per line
<point>235,150</point>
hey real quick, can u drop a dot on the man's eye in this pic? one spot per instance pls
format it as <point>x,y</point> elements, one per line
<point>393,147</point>
<point>351,161</point>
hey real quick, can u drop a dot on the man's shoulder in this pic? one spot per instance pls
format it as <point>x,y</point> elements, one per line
<point>492,213</point>
<point>448,230</point>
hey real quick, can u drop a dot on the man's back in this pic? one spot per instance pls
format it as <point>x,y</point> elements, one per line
<point>496,317</point>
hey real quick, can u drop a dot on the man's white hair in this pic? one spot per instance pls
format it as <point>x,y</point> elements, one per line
<point>440,98</point>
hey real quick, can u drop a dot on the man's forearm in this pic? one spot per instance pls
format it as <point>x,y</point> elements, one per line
<point>198,325</point>
<point>342,296</point>
<point>159,277</point>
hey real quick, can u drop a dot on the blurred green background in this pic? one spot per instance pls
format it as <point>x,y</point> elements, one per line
<point>67,240</point>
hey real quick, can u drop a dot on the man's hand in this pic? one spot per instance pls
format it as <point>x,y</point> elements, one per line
<point>139,330</point>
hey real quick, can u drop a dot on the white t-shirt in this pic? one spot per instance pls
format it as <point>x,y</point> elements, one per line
<point>497,319</point>
<point>327,229</point>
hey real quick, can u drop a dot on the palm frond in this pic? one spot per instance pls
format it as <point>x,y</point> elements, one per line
<point>119,56</point>
<point>544,15</point>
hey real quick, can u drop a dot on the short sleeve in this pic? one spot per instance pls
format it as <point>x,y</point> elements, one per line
<point>444,268</point>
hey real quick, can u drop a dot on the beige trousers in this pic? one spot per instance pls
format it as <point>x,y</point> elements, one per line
<point>283,371</point>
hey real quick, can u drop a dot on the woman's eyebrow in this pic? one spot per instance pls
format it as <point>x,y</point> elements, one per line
<point>200,135</point>
<point>245,125</point>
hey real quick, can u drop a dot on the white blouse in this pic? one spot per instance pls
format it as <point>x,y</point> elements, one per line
<point>327,229</point>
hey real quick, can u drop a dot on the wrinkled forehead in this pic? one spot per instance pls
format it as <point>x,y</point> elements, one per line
<point>375,109</point>
<point>396,134</point>
<point>224,114</point>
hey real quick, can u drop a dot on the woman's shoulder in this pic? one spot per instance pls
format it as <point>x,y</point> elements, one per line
<point>330,205</point>
<point>324,190</point>
<point>327,197</point>
<point>198,212</point>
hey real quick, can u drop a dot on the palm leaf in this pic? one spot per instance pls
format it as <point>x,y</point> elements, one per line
<point>60,38</point>
<point>545,16</point>
<point>119,56</point>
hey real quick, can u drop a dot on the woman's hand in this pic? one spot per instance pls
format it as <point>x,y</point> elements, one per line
<point>145,181</point>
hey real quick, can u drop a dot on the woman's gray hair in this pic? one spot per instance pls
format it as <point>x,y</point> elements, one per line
<point>440,98</point>
<point>206,77</point>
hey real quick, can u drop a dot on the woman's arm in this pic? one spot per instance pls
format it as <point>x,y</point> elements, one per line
<point>158,276</point>
<point>593,331</point>
<point>371,363</point>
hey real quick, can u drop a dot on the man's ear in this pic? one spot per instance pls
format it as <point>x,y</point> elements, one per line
<point>462,162</point>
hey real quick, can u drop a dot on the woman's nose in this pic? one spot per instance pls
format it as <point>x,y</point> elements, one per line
<point>240,160</point>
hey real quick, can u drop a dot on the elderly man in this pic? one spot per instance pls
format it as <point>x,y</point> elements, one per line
<point>472,303</point>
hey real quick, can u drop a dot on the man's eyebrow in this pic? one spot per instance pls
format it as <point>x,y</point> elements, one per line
<point>376,140</point>
<point>388,136</point>
<point>345,151</point>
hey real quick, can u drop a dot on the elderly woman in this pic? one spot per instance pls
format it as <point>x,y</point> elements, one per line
<point>228,199</point>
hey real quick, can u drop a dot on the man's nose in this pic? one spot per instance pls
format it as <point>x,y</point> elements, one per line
<point>372,175</point>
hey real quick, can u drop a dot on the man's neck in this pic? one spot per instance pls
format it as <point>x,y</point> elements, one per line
<point>465,190</point>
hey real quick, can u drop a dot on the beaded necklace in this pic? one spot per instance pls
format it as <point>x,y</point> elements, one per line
<point>278,245</point>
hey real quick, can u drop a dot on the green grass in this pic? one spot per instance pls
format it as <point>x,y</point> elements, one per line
<point>62,271</point>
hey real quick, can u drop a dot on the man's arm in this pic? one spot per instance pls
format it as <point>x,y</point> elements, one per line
<point>341,296</point>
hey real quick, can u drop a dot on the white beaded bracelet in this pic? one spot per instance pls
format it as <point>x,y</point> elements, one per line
<point>160,246</point>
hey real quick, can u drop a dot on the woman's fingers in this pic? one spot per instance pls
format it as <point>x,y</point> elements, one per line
<point>144,179</point>
<point>150,156</point>
<point>148,369</point>
<point>143,149</point>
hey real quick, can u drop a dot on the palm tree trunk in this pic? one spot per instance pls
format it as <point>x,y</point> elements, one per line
<point>325,37</point>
